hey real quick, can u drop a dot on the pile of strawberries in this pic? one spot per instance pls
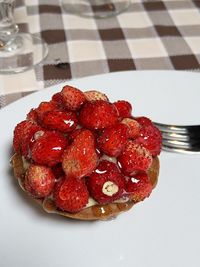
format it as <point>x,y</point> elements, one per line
<point>79,145</point>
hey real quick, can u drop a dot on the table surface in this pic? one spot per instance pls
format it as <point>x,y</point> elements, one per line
<point>149,35</point>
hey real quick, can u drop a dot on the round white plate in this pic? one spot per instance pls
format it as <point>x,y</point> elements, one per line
<point>161,231</point>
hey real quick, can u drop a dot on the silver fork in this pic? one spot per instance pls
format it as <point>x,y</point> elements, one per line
<point>182,139</point>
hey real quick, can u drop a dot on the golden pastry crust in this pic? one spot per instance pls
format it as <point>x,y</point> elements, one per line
<point>96,212</point>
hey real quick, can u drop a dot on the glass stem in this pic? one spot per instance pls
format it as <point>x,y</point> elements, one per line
<point>8,28</point>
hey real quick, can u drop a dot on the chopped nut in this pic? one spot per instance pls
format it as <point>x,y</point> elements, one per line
<point>110,188</point>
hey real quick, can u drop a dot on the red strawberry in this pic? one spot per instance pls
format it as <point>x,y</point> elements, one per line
<point>63,121</point>
<point>134,127</point>
<point>143,121</point>
<point>134,157</point>
<point>39,181</point>
<point>58,100</point>
<point>98,114</point>
<point>149,137</point>
<point>44,107</point>
<point>71,194</point>
<point>74,134</point>
<point>24,136</point>
<point>32,115</point>
<point>124,108</point>
<point>113,139</point>
<point>80,158</point>
<point>29,139</point>
<point>17,139</point>
<point>95,95</point>
<point>106,183</point>
<point>73,98</point>
<point>58,170</point>
<point>139,186</point>
<point>48,149</point>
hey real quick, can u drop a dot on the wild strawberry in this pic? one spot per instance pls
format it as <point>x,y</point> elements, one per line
<point>139,186</point>
<point>17,139</point>
<point>74,134</point>
<point>71,195</point>
<point>106,183</point>
<point>113,139</point>
<point>24,136</point>
<point>80,158</point>
<point>149,137</point>
<point>73,98</point>
<point>44,107</point>
<point>29,139</point>
<point>95,95</point>
<point>39,181</point>
<point>63,121</point>
<point>98,114</point>
<point>134,157</point>
<point>143,121</point>
<point>124,108</point>
<point>32,115</point>
<point>134,127</point>
<point>58,170</point>
<point>48,149</point>
<point>58,100</point>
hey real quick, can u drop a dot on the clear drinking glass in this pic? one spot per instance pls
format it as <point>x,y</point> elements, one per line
<point>95,8</point>
<point>18,51</point>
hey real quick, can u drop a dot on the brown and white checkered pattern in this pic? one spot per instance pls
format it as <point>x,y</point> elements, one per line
<point>161,34</point>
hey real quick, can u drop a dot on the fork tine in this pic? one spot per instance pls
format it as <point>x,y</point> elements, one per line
<point>181,150</point>
<point>181,144</point>
<point>180,137</point>
<point>182,129</point>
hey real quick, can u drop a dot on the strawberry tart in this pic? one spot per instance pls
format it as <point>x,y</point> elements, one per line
<point>83,157</point>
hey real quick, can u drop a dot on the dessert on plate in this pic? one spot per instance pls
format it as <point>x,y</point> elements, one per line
<point>81,156</point>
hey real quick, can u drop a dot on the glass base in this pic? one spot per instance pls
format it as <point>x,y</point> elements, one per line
<point>23,53</point>
<point>95,8</point>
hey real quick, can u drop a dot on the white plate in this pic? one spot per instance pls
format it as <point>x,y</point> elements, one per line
<point>161,231</point>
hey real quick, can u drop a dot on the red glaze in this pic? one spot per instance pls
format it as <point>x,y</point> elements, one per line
<point>98,114</point>
<point>49,148</point>
<point>63,121</point>
<point>106,183</point>
<point>124,108</point>
<point>113,139</point>
<point>71,194</point>
<point>134,157</point>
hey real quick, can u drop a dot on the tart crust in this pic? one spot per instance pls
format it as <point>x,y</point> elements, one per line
<point>96,212</point>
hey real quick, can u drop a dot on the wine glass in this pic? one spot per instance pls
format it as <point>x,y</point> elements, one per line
<point>18,51</point>
<point>95,8</point>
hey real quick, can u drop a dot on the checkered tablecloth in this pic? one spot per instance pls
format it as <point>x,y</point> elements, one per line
<point>149,35</point>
